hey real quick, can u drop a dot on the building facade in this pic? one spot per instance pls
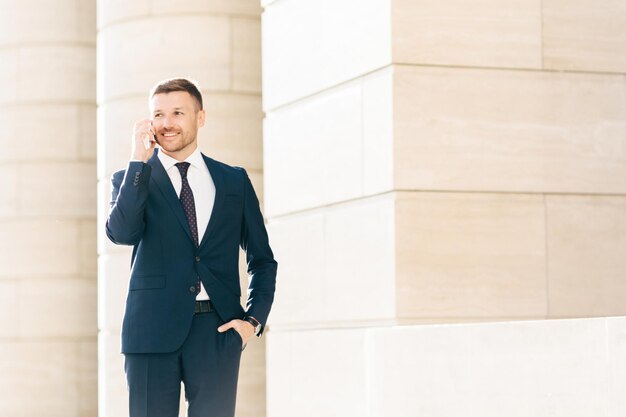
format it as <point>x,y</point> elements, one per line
<point>444,185</point>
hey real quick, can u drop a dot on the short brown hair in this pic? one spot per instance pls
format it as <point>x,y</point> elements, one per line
<point>178,84</point>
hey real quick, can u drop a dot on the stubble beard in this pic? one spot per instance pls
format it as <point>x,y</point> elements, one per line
<point>178,146</point>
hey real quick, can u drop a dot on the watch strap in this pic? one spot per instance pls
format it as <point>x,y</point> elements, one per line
<point>257,325</point>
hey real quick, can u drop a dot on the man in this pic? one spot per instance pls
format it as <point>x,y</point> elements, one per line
<point>186,215</point>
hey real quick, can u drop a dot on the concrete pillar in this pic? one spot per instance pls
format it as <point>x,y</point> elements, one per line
<point>48,349</point>
<point>217,43</point>
<point>434,162</point>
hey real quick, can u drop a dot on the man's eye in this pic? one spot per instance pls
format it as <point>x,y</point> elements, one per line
<point>157,115</point>
<point>179,112</point>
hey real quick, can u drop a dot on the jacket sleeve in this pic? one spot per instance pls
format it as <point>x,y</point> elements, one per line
<point>125,223</point>
<point>262,267</point>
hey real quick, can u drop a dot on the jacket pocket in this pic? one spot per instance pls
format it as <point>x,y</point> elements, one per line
<point>145,282</point>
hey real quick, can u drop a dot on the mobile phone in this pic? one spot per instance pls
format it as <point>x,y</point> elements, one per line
<point>148,139</point>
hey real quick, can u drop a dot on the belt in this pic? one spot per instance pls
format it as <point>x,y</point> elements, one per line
<point>204,306</point>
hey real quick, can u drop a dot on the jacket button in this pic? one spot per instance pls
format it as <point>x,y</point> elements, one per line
<point>197,259</point>
<point>192,289</point>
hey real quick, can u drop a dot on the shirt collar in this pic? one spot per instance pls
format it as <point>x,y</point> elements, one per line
<point>195,159</point>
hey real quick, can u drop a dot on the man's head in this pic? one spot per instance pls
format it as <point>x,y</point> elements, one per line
<point>177,114</point>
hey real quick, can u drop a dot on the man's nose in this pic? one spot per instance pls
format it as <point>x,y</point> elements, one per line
<point>167,122</point>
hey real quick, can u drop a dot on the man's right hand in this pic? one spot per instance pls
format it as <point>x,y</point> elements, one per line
<point>143,134</point>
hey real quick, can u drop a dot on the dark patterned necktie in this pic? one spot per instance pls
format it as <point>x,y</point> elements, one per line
<point>189,206</point>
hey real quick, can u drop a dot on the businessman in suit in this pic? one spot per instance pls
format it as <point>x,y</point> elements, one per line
<point>186,215</point>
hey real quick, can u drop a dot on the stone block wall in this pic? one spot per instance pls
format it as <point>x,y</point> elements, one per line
<point>439,162</point>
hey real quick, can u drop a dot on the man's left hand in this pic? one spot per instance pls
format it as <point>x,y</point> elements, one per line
<point>244,328</point>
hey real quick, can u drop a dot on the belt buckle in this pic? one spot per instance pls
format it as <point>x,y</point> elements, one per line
<point>203,306</point>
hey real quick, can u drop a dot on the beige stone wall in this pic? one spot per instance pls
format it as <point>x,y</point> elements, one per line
<point>48,330</point>
<point>565,368</point>
<point>495,134</point>
<point>436,162</point>
<point>217,43</point>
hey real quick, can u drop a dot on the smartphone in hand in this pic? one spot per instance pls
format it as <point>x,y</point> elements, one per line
<point>149,138</point>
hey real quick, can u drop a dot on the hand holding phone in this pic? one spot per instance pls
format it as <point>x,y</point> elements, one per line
<point>144,141</point>
<point>147,140</point>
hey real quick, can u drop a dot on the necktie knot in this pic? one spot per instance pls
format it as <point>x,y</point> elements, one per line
<point>183,167</point>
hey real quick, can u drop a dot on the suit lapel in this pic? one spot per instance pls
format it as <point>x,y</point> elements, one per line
<point>218,180</point>
<point>162,180</point>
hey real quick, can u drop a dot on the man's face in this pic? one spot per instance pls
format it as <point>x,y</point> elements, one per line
<point>176,120</point>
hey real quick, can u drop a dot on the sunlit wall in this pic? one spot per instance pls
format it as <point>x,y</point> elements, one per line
<point>48,350</point>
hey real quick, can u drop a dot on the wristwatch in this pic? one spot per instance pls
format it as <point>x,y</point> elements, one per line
<point>255,323</point>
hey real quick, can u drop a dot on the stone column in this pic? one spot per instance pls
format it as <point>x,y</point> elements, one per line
<point>435,162</point>
<point>48,208</point>
<point>217,43</point>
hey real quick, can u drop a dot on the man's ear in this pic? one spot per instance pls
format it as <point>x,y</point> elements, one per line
<point>201,118</point>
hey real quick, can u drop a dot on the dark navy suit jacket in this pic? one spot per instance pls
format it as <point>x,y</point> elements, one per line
<point>146,213</point>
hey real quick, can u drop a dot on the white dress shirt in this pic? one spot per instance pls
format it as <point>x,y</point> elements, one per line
<point>202,187</point>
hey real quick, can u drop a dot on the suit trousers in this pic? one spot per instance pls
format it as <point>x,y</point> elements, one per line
<point>207,364</point>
